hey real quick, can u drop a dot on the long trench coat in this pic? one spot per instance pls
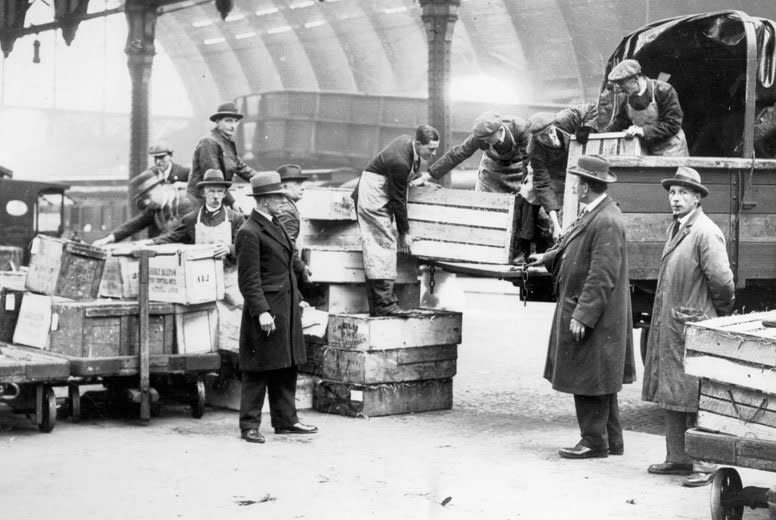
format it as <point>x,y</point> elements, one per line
<point>591,277</point>
<point>695,282</point>
<point>265,274</point>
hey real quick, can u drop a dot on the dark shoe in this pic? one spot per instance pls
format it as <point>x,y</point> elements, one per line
<point>390,310</point>
<point>582,452</point>
<point>253,435</point>
<point>670,468</point>
<point>297,428</point>
<point>616,449</point>
<point>698,479</point>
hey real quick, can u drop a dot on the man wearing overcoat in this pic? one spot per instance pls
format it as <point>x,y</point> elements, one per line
<point>271,341</point>
<point>590,352</point>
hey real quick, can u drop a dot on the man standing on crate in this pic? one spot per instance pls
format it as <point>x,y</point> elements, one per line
<point>381,200</point>
<point>292,181</point>
<point>695,282</point>
<point>271,340</point>
<point>590,352</point>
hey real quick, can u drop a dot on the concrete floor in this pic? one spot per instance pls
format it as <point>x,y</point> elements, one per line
<point>494,456</point>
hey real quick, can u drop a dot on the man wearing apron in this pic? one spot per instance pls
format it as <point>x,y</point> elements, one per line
<point>650,109</point>
<point>381,200</point>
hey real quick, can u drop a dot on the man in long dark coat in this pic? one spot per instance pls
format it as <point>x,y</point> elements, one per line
<point>590,353</point>
<point>271,341</point>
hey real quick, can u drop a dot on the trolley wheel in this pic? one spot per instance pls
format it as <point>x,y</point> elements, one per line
<point>74,398</point>
<point>198,403</point>
<point>48,411</point>
<point>643,343</point>
<point>725,488</point>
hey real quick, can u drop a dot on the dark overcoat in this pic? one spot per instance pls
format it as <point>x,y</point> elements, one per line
<point>265,267</point>
<point>591,277</point>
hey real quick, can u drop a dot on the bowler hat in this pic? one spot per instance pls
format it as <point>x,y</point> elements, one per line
<point>624,70</point>
<point>266,183</point>
<point>143,182</point>
<point>291,172</point>
<point>593,167</point>
<point>226,110</point>
<point>486,124</point>
<point>687,177</point>
<point>213,177</point>
<point>159,149</point>
<point>540,121</point>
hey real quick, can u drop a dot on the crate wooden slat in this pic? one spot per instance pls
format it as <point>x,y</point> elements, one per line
<point>737,350</point>
<point>314,364</point>
<point>389,366</point>
<point>462,225</point>
<point>19,364</point>
<point>737,411</point>
<point>196,328</point>
<point>327,204</point>
<point>339,266</point>
<point>420,328</point>
<point>729,449</point>
<point>65,268</point>
<point>329,234</point>
<point>339,298</point>
<point>159,364</point>
<point>383,399</point>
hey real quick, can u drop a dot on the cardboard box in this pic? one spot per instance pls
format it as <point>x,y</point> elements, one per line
<point>65,268</point>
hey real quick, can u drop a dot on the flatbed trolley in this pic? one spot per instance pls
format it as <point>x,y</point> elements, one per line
<point>27,376</point>
<point>728,496</point>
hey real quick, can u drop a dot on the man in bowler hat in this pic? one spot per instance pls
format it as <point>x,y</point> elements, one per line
<point>590,352</point>
<point>271,341</point>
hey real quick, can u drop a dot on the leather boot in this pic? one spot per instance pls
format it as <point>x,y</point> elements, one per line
<point>386,302</point>
<point>370,295</point>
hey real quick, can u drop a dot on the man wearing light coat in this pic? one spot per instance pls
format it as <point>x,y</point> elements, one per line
<point>695,282</point>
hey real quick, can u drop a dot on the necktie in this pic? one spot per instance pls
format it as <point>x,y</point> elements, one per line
<point>675,229</point>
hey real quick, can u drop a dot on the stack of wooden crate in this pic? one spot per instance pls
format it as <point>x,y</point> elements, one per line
<point>735,357</point>
<point>373,366</point>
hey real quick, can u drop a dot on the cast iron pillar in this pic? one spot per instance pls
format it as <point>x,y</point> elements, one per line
<point>141,30</point>
<point>439,17</point>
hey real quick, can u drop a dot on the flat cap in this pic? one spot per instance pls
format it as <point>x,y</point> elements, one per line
<point>624,70</point>
<point>159,149</point>
<point>540,121</point>
<point>486,124</point>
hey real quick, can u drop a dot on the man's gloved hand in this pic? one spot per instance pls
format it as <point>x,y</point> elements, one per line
<point>583,134</point>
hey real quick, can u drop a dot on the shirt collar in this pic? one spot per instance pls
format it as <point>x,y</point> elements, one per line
<point>683,220</point>
<point>263,214</point>
<point>211,212</point>
<point>593,203</point>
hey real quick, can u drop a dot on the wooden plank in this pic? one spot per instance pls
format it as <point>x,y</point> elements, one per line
<point>722,163</point>
<point>418,329</point>
<point>461,198</point>
<point>337,235</point>
<point>460,234</point>
<point>610,146</point>
<point>474,217</point>
<point>742,396</point>
<point>648,196</point>
<point>319,203</point>
<point>352,298</point>
<point>651,227</point>
<point>452,251</point>
<point>337,266</point>
<point>709,446</point>
<point>730,371</point>
<point>709,420</point>
<point>746,346</point>
<point>389,366</point>
<point>383,399</point>
<point>20,364</point>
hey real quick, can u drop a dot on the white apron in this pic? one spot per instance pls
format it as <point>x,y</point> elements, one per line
<point>674,146</point>
<point>222,233</point>
<point>378,238</point>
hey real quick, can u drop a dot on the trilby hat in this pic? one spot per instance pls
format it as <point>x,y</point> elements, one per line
<point>291,172</point>
<point>226,110</point>
<point>142,183</point>
<point>266,183</point>
<point>687,177</point>
<point>213,177</point>
<point>593,167</point>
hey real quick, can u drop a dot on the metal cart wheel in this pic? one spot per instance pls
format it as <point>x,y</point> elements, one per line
<point>74,398</point>
<point>725,489</point>
<point>48,411</point>
<point>198,404</point>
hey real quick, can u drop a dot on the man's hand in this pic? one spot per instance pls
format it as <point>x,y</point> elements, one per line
<point>221,250</point>
<point>303,305</point>
<point>425,179</point>
<point>307,274</point>
<point>535,260</point>
<point>634,131</point>
<point>555,225</point>
<point>104,241</point>
<point>267,323</point>
<point>577,329</point>
<point>405,243</point>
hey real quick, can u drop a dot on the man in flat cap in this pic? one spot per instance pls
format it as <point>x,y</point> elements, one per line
<point>292,183</point>
<point>271,341</point>
<point>218,151</point>
<point>649,109</point>
<point>590,351</point>
<point>694,283</point>
<point>167,169</point>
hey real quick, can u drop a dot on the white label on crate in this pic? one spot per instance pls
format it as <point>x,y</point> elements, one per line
<point>357,395</point>
<point>10,302</point>
<point>54,321</point>
<point>35,246</point>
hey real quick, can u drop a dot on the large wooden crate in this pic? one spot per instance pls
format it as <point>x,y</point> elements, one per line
<point>10,258</point>
<point>314,350</point>
<point>10,303</point>
<point>389,366</point>
<point>196,328</point>
<point>327,204</point>
<point>737,350</point>
<point>383,399</point>
<point>421,328</point>
<point>737,411</point>
<point>65,268</point>
<point>342,266</point>
<point>341,298</point>
<point>343,235</point>
<point>462,225</point>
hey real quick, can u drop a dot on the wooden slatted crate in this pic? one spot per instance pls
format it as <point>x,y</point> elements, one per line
<point>421,328</point>
<point>343,235</point>
<point>383,399</point>
<point>65,268</point>
<point>342,266</point>
<point>319,203</point>
<point>462,225</point>
<point>737,411</point>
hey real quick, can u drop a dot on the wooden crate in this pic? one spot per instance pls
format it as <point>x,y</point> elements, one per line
<point>95,328</point>
<point>737,411</point>
<point>19,364</point>
<point>10,303</point>
<point>389,366</point>
<point>11,258</point>
<point>314,364</point>
<point>737,350</point>
<point>340,266</point>
<point>329,234</point>
<point>730,450</point>
<point>462,225</point>
<point>16,280</point>
<point>196,328</point>
<point>421,328</point>
<point>327,204</point>
<point>225,393</point>
<point>383,399</point>
<point>119,279</point>
<point>65,268</point>
<point>341,298</point>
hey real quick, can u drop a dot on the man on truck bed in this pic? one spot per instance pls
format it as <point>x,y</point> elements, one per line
<point>695,282</point>
<point>649,109</point>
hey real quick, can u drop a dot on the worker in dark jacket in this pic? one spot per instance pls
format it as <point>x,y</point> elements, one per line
<point>292,181</point>
<point>162,206</point>
<point>218,151</point>
<point>271,341</point>
<point>167,169</point>
<point>381,200</point>
<point>649,109</point>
